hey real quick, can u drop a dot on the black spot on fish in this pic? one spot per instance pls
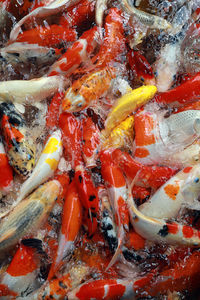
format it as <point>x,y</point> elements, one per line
<point>92,197</point>
<point>32,59</point>
<point>80,178</point>
<point>130,255</point>
<point>62,285</point>
<point>15,54</point>
<point>164,231</point>
<point>94,215</point>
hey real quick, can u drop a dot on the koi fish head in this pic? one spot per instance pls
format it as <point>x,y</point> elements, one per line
<point>191,189</point>
<point>73,101</point>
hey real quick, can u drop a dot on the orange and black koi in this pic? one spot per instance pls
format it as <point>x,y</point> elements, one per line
<point>20,147</point>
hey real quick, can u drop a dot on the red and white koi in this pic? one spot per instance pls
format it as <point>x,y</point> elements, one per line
<point>28,215</point>
<point>19,145</point>
<point>6,176</point>
<point>71,224</point>
<point>104,289</point>
<point>45,167</point>
<point>31,90</point>
<point>167,200</point>
<point>20,276</point>
<point>117,190</point>
<point>157,138</point>
<point>77,53</point>
<point>157,229</point>
<point>50,8</point>
<point>91,140</point>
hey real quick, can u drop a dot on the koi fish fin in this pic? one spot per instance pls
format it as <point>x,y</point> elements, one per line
<point>118,250</point>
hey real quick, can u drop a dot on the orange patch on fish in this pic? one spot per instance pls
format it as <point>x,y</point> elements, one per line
<point>52,162</point>
<point>187,231</point>
<point>172,228</point>
<point>144,125</point>
<point>187,169</point>
<point>141,152</point>
<point>172,190</point>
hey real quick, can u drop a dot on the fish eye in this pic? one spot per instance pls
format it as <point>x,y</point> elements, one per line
<point>79,104</point>
<point>196,180</point>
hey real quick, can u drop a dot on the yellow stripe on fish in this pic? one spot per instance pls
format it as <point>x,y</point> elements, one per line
<point>127,104</point>
<point>46,165</point>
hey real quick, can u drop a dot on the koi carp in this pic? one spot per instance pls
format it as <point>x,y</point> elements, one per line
<point>167,200</point>
<point>155,135</point>
<point>126,105</point>
<point>113,46</point>
<point>20,276</point>
<point>19,145</point>
<point>45,167</point>
<point>28,215</point>
<point>117,191</point>
<point>145,18</point>
<point>71,223</point>
<point>91,140</point>
<point>88,89</point>
<point>157,229</point>
<point>77,53</point>
<point>121,136</point>
<point>52,7</point>
<point>34,89</point>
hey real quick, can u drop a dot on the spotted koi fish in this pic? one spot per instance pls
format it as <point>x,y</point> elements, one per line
<point>28,215</point>
<point>45,167</point>
<point>159,230</point>
<point>19,145</point>
<point>156,137</point>
<point>88,89</point>
<point>117,191</point>
<point>167,200</point>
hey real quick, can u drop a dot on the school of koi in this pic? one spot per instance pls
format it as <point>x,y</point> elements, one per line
<point>99,149</point>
